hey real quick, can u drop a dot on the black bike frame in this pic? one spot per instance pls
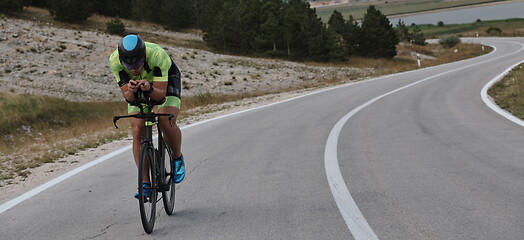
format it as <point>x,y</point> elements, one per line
<point>150,120</point>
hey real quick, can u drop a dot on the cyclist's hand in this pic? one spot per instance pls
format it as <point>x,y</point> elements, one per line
<point>132,86</point>
<point>144,85</point>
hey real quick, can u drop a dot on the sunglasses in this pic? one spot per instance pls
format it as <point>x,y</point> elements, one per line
<point>135,65</point>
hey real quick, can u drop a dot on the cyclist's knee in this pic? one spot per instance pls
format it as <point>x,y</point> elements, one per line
<point>165,125</point>
<point>137,128</point>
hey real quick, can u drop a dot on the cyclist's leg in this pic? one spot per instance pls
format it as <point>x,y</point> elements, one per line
<point>172,133</point>
<point>138,131</point>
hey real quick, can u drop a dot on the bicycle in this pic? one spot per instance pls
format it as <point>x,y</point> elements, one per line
<point>154,159</point>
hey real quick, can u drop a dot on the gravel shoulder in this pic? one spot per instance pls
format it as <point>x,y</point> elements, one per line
<point>49,171</point>
<point>40,59</point>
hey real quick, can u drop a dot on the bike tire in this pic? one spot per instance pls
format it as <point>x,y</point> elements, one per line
<point>168,196</point>
<point>147,205</point>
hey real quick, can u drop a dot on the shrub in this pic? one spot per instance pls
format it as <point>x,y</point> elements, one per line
<point>115,26</point>
<point>449,41</point>
<point>440,24</point>
<point>11,5</point>
<point>494,31</point>
<point>70,10</point>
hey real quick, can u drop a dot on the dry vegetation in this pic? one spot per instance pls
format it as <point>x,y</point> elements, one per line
<point>40,129</point>
<point>508,93</point>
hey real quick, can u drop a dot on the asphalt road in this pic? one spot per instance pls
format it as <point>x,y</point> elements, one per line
<point>420,153</point>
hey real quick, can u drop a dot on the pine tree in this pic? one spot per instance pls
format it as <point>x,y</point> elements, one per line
<point>337,31</point>
<point>145,10</point>
<point>112,8</point>
<point>37,3</point>
<point>402,31</point>
<point>296,41</point>
<point>70,10</point>
<point>353,36</point>
<point>337,23</point>
<point>7,6</point>
<point>379,37</point>
<point>271,23</point>
<point>175,14</point>
<point>417,36</point>
<point>303,30</point>
<point>214,24</point>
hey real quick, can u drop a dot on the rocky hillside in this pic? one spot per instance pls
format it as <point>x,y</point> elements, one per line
<point>38,58</point>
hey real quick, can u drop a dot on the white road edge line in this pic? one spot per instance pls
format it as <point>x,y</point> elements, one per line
<point>355,221</point>
<point>11,203</point>
<point>491,104</point>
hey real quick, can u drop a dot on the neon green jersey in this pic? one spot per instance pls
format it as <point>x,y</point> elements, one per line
<point>156,66</point>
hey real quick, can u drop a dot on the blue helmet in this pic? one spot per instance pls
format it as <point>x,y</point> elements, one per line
<point>132,51</point>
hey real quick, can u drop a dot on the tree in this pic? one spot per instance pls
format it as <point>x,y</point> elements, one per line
<point>294,30</point>
<point>352,36</point>
<point>402,31</point>
<point>304,31</point>
<point>145,10</point>
<point>176,14</point>
<point>271,23</point>
<point>70,10</point>
<point>115,26</point>
<point>335,36</point>
<point>379,37</point>
<point>337,23</point>
<point>336,46</point>
<point>7,6</point>
<point>112,8</point>
<point>37,3</point>
<point>417,37</point>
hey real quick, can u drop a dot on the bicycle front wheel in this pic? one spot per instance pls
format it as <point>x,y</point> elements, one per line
<point>168,196</point>
<point>147,195</point>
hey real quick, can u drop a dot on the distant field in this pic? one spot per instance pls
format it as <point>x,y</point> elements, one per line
<point>509,28</point>
<point>396,7</point>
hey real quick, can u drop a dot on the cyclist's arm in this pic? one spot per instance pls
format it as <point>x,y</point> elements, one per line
<point>128,93</point>
<point>122,78</point>
<point>159,91</point>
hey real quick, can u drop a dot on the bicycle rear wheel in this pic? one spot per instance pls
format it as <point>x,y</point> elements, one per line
<point>168,196</point>
<point>147,204</point>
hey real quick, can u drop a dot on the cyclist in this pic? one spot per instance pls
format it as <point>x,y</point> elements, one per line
<point>146,66</point>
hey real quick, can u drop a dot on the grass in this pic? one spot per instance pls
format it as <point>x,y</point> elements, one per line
<point>38,129</point>
<point>509,27</point>
<point>395,7</point>
<point>508,93</point>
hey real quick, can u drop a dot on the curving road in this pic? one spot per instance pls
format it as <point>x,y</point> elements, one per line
<point>416,155</point>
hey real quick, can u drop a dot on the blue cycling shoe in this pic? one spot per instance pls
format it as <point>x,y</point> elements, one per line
<point>179,169</point>
<point>147,190</point>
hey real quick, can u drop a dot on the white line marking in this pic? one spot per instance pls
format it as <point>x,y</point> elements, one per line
<point>9,204</point>
<point>491,104</point>
<point>355,221</point>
